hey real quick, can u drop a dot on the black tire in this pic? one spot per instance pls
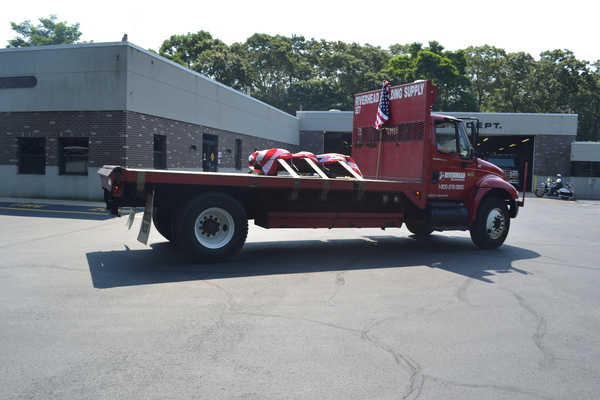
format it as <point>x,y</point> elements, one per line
<point>492,223</point>
<point>418,228</point>
<point>211,227</point>
<point>539,192</point>
<point>161,217</point>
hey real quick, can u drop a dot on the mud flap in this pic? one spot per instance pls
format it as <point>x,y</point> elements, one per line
<point>146,219</point>
<point>129,222</point>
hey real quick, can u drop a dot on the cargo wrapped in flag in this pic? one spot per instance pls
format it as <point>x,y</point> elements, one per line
<point>330,161</point>
<point>264,162</point>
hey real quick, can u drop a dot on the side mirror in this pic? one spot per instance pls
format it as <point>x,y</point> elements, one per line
<point>473,153</point>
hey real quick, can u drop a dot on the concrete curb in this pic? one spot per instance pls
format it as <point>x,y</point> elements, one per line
<point>59,202</point>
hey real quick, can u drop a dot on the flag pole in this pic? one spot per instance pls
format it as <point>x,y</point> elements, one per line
<point>383,114</point>
<point>379,153</point>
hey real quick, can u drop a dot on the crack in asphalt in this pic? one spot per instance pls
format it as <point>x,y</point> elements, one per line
<point>462,289</point>
<point>509,390</point>
<point>540,331</point>
<point>416,377</point>
<point>340,281</point>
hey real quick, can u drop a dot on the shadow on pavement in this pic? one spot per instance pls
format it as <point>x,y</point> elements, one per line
<point>164,263</point>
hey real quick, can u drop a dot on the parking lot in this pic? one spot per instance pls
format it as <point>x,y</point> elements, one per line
<point>90,313</point>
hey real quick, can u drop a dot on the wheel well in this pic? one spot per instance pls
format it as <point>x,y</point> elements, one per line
<point>503,194</point>
<point>174,195</point>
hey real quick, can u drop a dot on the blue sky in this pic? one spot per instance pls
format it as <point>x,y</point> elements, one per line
<point>511,25</point>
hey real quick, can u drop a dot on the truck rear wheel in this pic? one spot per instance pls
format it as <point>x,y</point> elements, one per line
<point>211,227</point>
<point>490,228</point>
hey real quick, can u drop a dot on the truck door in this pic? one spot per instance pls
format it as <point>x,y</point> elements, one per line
<point>453,170</point>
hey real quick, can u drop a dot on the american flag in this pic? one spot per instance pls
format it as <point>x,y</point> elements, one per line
<point>383,111</point>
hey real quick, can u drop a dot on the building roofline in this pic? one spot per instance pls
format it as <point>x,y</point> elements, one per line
<point>502,113</point>
<point>138,48</point>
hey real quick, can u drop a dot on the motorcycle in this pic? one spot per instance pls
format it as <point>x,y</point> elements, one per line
<point>565,193</point>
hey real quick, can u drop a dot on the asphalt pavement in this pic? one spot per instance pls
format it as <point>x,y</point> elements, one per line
<point>88,312</point>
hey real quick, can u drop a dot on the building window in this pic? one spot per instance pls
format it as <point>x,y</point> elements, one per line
<point>160,145</point>
<point>32,156</point>
<point>585,168</point>
<point>74,156</point>
<point>238,154</point>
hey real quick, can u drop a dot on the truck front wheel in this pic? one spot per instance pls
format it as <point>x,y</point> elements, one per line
<point>418,228</point>
<point>211,227</point>
<point>491,225</point>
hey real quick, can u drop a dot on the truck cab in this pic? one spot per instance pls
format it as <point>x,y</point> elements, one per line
<point>416,145</point>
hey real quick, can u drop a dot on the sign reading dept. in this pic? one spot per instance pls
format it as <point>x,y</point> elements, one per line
<point>399,92</point>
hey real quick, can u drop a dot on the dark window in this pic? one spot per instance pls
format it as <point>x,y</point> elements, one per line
<point>585,168</point>
<point>160,145</point>
<point>75,156</point>
<point>337,142</point>
<point>32,156</point>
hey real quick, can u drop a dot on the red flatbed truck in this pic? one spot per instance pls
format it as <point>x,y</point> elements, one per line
<point>409,178</point>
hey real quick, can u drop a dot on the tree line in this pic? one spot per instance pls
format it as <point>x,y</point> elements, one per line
<point>295,73</point>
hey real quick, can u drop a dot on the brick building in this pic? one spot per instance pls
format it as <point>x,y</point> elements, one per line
<point>67,110</point>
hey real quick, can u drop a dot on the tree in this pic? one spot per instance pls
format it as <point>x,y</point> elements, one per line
<point>224,64</point>
<point>514,92</point>
<point>185,49</point>
<point>557,83</point>
<point>399,49</point>
<point>446,69</point>
<point>274,64</point>
<point>348,69</point>
<point>558,80</point>
<point>484,64</point>
<point>358,68</point>
<point>317,95</point>
<point>292,73</point>
<point>48,32</point>
<point>587,105</point>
